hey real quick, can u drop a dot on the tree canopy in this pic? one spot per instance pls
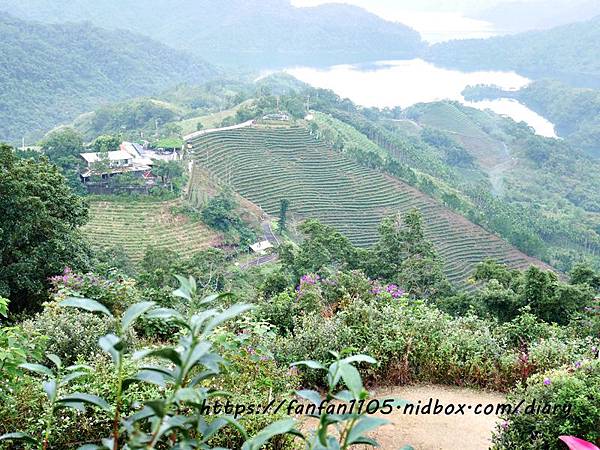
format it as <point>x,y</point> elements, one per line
<point>39,218</point>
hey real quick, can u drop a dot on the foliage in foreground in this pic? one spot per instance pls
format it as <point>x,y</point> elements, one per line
<point>577,385</point>
<point>176,415</point>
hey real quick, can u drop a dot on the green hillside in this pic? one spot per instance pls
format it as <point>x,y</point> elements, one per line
<point>134,226</point>
<point>255,33</point>
<point>51,73</point>
<point>575,112</point>
<point>267,165</point>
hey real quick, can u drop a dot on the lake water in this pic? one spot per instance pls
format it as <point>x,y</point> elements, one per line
<point>405,83</point>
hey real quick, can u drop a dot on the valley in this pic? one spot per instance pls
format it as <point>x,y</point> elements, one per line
<point>293,224</point>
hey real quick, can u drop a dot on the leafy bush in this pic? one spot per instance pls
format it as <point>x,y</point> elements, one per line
<point>70,334</point>
<point>16,345</point>
<point>414,341</point>
<point>577,385</point>
<point>176,412</point>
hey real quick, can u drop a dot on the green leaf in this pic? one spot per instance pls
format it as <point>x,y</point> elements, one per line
<point>79,367</point>
<point>74,405</point>
<point>185,288</point>
<point>363,440</point>
<point>226,315</point>
<point>50,389</point>
<point>112,345</point>
<point>37,368</point>
<point>55,359</point>
<point>70,377</point>
<point>82,397</point>
<point>144,413</point>
<point>158,407</point>
<point>147,376</point>
<point>197,352</point>
<point>168,353</point>
<point>359,359</point>
<point>283,426</point>
<point>211,298</point>
<point>86,304</point>
<point>408,447</point>
<point>351,378</point>
<point>18,437</point>
<point>312,396</point>
<point>165,314</point>
<point>344,396</point>
<point>134,312</point>
<point>364,425</point>
<point>310,364</point>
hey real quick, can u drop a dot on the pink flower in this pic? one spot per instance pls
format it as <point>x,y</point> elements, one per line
<point>547,381</point>
<point>504,425</point>
<point>577,444</point>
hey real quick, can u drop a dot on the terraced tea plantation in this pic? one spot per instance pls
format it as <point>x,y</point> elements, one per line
<point>266,165</point>
<point>137,225</point>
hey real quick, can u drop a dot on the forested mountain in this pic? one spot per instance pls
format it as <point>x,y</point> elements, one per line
<point>574,111</point>
<point>568,53</point>
<point>258,33</point>
<point>51,73</point>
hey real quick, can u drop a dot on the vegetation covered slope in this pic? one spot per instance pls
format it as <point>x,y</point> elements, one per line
<point>569,53</point>
<point>254,32</point>
<point>135,226</point>
<point>51,73</point>
<point>268,165</point>
<point>575,112</point>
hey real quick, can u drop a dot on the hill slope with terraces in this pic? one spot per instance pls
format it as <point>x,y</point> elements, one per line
<point>135,226</point>
<point>266,165</point>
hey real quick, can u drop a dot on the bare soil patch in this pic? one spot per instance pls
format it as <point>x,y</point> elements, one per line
<point>437,432</point>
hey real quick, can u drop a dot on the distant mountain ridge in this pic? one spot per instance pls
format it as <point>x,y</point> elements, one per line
<point>568,53</point>
<point>519,16</point>
<point>52,73</point>
<point>265,33</point>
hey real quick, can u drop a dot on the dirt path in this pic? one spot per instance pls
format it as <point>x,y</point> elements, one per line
<point>437,432</point>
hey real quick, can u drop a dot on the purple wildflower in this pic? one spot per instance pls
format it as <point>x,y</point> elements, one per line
<point>578,365</point>
<point>547,381</point>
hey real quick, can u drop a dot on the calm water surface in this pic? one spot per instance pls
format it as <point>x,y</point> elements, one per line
<point>405,83</point>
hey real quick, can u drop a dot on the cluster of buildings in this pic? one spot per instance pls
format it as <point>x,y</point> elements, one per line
<point>130,158</point>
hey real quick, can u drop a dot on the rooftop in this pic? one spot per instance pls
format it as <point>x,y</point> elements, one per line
<point>260,247</point>
<point>112,156</point>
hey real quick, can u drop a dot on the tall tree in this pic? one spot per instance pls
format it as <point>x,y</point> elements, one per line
<point>404,256</point>
<point>39,218</point>
<point>284,205</point>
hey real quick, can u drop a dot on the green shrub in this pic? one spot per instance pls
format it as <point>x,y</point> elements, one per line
<point>576,385</point>
<point>24,409</point>
<point>70,333</point>
<point>279,311</point>
<point>414,341</point>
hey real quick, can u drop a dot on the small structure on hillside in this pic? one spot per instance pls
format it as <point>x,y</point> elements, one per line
<point>106,165</point>
<point>261,247</point>
<point>277,117</point>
